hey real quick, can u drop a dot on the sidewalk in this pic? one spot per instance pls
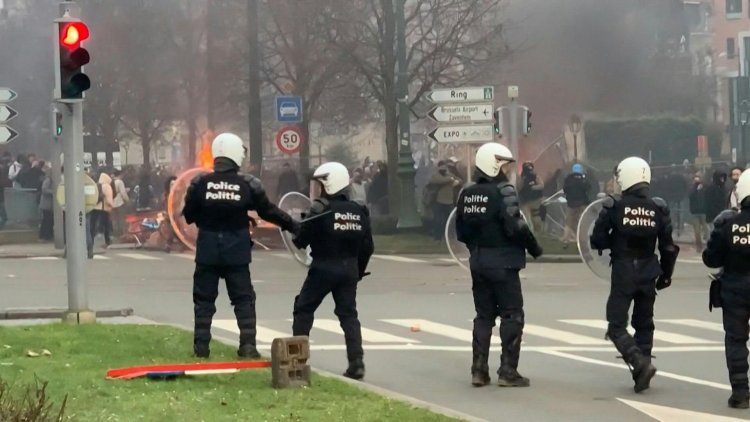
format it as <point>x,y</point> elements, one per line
<point>43,250</point>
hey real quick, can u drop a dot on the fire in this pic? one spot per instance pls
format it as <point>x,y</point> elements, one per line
<point>205,158</point>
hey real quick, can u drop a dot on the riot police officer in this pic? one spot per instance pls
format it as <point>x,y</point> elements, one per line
<point>218,203</point>
<point>630,227</point>
<point>338,233</point>
<point>729,247</point>
<point>488,221</point>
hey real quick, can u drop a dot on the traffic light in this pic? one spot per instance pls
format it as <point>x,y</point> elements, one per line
<point>497,116</point>
<point>70,80</point>
<point>58,124</point>
<point>527,122</point>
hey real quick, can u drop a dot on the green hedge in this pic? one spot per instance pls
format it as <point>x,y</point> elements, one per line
<point>670,139</point>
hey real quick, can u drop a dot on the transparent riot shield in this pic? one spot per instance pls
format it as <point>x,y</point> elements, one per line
<point>187,233</point>
<point>598,264</point>
<point>294,204</point>
<point>458,251</point>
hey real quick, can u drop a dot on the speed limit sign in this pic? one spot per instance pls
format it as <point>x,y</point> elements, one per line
<point>289,139</point>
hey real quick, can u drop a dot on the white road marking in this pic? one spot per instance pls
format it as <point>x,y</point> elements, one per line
<point>44,258</point>
<point>450,260</point>
<point>561,336</point>
<point>400,259</point>
<point>368,335</point>
<point>695,323</point>
<point>495,347</point>
<point>101,258</point>
<point>670,414</point>
<point>185,256</point>
<point>138,256</point>
<point>623,366</point>
<point>263,335</point>
<point>658,334</point>
<point>690,261</point>
<point>444,330</point>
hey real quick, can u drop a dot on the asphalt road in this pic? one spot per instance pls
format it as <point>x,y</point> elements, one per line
<point>574,372</point>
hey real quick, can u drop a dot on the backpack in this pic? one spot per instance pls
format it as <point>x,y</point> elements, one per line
<point>100,197</point>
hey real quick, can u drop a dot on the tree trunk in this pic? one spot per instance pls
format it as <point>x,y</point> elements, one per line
<point>391,145</point>
<point>192,128</point>
<point>254,106</point>
<point>304,152</point>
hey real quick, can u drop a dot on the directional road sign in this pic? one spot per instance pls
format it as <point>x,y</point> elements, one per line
<point>7,134</point>
<point>466,134</point>
<point>462,113</point>
<point>7,95</point>
<point>6,113</point>
<point>289,139</point>
<point>462,95</point>
<point>288,109</point>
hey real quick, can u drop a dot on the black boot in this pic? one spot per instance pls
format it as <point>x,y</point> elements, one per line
<point>509,377</point>
<point>643,371</point>
<point>248,351</point>
<point>480,371</point>
<point>201,350</point>
<point>356,369</point>
<point>740,399</point>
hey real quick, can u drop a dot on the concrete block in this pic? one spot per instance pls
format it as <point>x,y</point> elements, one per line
<point>79,318</point>
<point>289,367</point>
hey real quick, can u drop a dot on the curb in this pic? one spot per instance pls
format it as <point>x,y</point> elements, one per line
<point>57,313</point>
<point>432,407</point>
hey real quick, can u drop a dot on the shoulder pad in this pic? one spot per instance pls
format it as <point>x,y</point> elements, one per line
<point>724,217</point>
<point>194,181</point>
<point>507,189</point>
<point>360,202</point>
<point>255,184</point>
<point>609,201</point>
<point>319,206</point>
<point>662,204</point>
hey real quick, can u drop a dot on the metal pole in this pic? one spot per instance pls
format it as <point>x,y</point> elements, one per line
<point>513,117</point>
<point>407,216</point>
<point>75,214</point>
<point>575,147</point>
<point>56,209</point>
<point>253,77</point>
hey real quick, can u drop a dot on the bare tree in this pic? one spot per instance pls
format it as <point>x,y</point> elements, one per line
<point>298,59</point>
<point>448,43</point>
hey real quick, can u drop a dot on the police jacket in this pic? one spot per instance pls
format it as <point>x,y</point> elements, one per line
<point>218,204</point>
<point>488,218</point>
<point>729,244</point>
<point>631,226</point>
<point>339,235</point>
<point>576,188</point>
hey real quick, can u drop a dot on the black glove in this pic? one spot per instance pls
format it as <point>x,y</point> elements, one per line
<point>363,275</point>
<point>536,251</point>
<point>296,228</point>
<point>663,282</point>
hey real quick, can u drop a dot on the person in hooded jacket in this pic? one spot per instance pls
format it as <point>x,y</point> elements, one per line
<point>489,223</point>
<point>218,203</point>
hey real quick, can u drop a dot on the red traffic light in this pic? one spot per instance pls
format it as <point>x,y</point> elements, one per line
<point>73,33</point>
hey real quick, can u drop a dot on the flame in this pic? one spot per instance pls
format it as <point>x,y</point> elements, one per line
<point>205,158</point>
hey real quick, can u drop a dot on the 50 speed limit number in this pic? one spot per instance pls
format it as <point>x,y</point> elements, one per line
<point>289,139</point>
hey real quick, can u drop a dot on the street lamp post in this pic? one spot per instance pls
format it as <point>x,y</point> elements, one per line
<point>575,128</point>
<point>407,216</point>
<point>744,109</point>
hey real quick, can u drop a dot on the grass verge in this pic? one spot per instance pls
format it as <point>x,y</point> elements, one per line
<point>81,355</point>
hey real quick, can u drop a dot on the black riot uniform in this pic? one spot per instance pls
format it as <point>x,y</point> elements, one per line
<point>338,233</point>
<point>218,204</point>
<point>729,247</point>
<point>630,227</point>
<point>489,222</point>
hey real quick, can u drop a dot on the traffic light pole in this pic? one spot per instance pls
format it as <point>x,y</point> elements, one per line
<point>75,214</point>
<point>513,128</point>
<point>56,151</point>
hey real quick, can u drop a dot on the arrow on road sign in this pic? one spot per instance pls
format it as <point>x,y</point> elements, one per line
<point>7,134</point>
<point>665,414</point>
<point>7,113</point>
<point>463,134</point>
<point>462,95</point>
<point>7,95</point>
<point>462,113</point>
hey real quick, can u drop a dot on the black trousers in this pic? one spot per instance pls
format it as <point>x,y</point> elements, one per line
<point>497,293</point>
<point>46,228</point>
<point>241,294</point>
<point>441,213</point>
<point>342,284</point>
<point>633,282</point>
<point>735,296</point>
<point>100,220</point>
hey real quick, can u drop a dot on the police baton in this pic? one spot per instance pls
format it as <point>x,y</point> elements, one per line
<point>305,220</point>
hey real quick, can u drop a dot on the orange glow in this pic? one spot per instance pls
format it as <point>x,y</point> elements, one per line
<point>205,158</point>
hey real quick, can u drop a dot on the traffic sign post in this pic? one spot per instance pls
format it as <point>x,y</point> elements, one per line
<point>289,139</point>
<point>288,109</point>
<point>7,114</point>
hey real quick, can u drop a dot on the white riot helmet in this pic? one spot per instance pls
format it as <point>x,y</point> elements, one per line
<point>492,157</point>
<point>230,146</point>
<point>333,176</point>
<point>743,186</point>
<point>632,171</point>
